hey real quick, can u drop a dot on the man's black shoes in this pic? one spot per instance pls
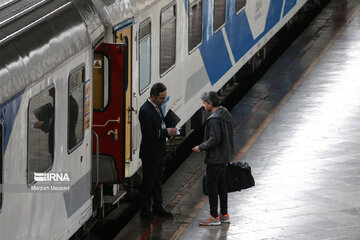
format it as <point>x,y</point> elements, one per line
<point>147,214</point>
<point>162,213</point>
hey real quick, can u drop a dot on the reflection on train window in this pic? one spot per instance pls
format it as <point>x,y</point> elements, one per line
<point>41,134</point>
<point>145,54</point>
<point>167,38</point>
<point>76,108</point>
<point>219,14</point>
<point>101,82</point>
<point>195,24</point>
<point>1,161</point>
<point>239,5</point>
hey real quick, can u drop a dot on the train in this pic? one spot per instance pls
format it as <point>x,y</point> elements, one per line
<point>73,75</point>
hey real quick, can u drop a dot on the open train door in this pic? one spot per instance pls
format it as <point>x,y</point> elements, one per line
<point>123,34</point>
<point>110,84</point>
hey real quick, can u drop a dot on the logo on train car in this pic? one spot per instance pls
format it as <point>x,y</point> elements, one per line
<point>51,177</point>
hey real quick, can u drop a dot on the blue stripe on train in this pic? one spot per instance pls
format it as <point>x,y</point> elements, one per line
<point>274,14</point>
<point>289,4</point>
<point>8,112</point>
<point>239,33</point>
<point>213,49</point>
<point>163,107</point>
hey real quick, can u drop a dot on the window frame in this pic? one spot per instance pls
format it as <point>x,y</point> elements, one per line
<point>147,20</point>
<point>28,132</point>
<point>109,81</point>
<point>241,9</point>
<point>170,5</point>
<point>79,68</point>
<point>190,51</point>
<point>221,26</point>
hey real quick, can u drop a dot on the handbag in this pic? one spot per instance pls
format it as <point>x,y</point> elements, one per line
<point>238,177</point>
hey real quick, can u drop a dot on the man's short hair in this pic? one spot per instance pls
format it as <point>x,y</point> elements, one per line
<point>157,88</point>
<point>211,97</point>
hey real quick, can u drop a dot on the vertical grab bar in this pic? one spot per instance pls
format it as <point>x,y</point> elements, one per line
<point>97,157</point>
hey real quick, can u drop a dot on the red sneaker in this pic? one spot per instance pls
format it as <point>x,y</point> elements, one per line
<point>211,221</point>
<point>224,218</point>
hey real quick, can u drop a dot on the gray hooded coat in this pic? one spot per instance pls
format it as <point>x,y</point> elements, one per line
<point>218,138</point>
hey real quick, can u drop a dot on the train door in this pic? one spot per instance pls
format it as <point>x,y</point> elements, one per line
<point>123,35</point>
<point>109,119</point>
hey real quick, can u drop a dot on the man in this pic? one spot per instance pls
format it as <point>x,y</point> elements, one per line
<point>46,124</point>
<point>153,152</point>
<point>219,146</point>
<point>72,120</point>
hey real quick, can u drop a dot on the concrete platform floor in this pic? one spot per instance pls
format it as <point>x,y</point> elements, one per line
<point>299,129</point>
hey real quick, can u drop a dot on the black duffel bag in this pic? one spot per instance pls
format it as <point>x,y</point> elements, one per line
<point>238,177</point>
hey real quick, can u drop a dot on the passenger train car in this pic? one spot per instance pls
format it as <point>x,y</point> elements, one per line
<point>73,75</point>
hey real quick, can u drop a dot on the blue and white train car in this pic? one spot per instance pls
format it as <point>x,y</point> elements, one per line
<point>73,75</point>
<point>192,46</point>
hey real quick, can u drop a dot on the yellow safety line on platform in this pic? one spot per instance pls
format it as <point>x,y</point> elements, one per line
<point>189,219</point>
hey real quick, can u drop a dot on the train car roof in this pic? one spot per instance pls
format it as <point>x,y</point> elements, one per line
<point>36,36</point>
<point>113,12</point>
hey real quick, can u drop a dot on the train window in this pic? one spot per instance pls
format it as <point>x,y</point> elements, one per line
<point>145,54</point>
<point>41,134</point>
<point>195,24</point>
<point>219,14</point>
<point>239,5</point>
<point>167,38</point>
<point>76,98</point>
<point>101,71</point>
<point>1,160</point>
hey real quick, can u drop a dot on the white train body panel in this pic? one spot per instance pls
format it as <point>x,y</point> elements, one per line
<point>39,52</point>
<point>219,56</point>
<point>31,214</point>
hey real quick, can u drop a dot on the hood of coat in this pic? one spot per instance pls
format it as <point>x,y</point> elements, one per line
<point>221,113</point>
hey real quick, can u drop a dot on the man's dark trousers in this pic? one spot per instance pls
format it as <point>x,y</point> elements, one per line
<point>152,170</point>
<point>216,184</point>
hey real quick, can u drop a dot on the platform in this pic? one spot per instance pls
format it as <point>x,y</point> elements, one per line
<point>299,129</point>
